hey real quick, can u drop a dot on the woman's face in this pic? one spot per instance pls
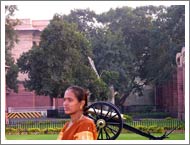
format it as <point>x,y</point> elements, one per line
<point>71,104</point>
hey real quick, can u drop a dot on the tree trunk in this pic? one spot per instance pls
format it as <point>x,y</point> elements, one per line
<point>123,98</point>
<point>112,93</point>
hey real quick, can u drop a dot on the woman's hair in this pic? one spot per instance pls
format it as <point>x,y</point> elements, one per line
<point>80,93</point>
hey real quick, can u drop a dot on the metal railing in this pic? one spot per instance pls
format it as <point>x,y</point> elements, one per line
<point>59,123</point>
<point>159,123</point>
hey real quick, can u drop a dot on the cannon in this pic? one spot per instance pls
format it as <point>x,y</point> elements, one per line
<point>109,122</point>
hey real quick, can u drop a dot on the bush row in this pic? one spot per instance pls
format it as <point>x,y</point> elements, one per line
<point>20,131</point>
<point>147,129</point>
<point>129,118</point>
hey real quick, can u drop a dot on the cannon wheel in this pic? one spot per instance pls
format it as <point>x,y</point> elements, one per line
<point>107,119</point>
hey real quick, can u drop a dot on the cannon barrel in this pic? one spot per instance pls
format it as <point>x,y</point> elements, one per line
<point>103,112</point>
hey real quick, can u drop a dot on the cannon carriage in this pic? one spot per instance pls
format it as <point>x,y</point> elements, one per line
<point>109,122</point>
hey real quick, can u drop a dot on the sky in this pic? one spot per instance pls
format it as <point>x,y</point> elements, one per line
<point>44,10</point>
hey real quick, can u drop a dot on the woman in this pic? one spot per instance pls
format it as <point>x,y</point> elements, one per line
<point>79,127</point>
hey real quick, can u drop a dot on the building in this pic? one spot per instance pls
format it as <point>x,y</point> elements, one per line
<point>28,33</point>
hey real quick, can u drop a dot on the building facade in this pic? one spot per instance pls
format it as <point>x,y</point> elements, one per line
<point>28,33</point>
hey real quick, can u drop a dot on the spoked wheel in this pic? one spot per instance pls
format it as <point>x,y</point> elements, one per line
<point>107,119</point>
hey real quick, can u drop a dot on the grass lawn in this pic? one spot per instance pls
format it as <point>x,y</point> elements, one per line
<point>132,136</point>
<point>127,136</point>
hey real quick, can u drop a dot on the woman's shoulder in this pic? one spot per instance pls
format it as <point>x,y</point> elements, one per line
<point>87,119</point>
<point>86,124</point>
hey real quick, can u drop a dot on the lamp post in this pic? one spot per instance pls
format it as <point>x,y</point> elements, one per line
<point>6,111</point>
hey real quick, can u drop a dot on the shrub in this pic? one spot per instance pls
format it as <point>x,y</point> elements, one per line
<point>142,128</point>
<point>33,130</point>
<point>127,118</point>
<point>44,131</point>
<point>20,130</point>
<point>57,130</point>
<point>10,131</point>
<point>155,129</point>
<point>169,118</point>
<point>152,129</point>
<point>51,131</point>
<point>160,130</point>
<point>182,126</point>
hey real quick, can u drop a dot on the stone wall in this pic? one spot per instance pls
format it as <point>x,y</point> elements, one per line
<point>25,98</point>
<point>146,99</point>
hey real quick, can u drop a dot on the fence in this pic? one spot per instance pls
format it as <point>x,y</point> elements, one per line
<point>168,124</point>
<point>173,123</point>
<point>36,124</point>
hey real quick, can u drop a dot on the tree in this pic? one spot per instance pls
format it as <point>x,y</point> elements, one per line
<point>167,38</point>
<point>87,23</point>
<point>10,40</point>
<point>59,61</point>
<point>85,20</point>
<point>152,35</point>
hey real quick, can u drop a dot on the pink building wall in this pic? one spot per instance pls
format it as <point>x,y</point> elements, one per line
<point>171,95</point>
<point>26,98</point>
<point>28,33</point>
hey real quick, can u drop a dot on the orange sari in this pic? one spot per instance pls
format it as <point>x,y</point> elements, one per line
<point>83,129</point>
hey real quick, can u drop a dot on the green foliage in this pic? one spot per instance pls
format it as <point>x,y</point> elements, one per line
<point>85,20</point>
<point>127,118</point>
<point>151,129</point>
<point>159,130</point>
<point>10,37</point>
<point>11,77</point>
<point>33,130</point>
<point>53,130</point>
<point>169,118</point>
<point>10,130</point>
<point>10,40</point>
<point>99,90</point>
<point>30,131</point>
<point>166,124</point>
<point>152,36</point>
<point>110,77</point>
<point>142,128</point>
